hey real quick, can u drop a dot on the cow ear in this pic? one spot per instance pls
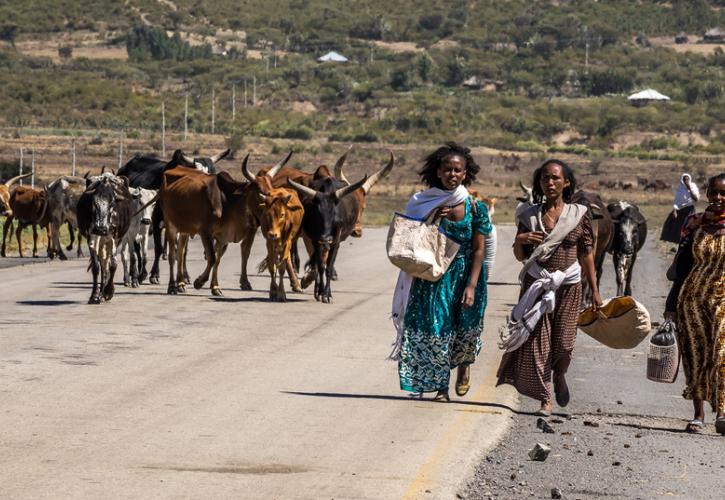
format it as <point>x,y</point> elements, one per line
<point>596,212</point>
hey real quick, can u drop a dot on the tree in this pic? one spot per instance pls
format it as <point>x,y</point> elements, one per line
<point>425,68</point>
<point>65,52</point>
<point>8,33</point>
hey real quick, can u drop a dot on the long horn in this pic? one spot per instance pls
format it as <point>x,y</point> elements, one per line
<point>187,159</point>
<point>262,197</point>
<point>245,169</point>
<point>338,166</point>
<point>15,179</point>
<point>349,189</point>
<point>151,202</point>
<point>302,189</point>
<point>523,186</point>
<point>220,156</point>
<point>274,170</point>
<point>382,173</point>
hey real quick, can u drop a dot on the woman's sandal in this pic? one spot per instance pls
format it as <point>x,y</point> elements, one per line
<point>442,397</point>
<point>695,426</point>
<point>720,425</point>
<point>463,382</point>
<point>545,410</point>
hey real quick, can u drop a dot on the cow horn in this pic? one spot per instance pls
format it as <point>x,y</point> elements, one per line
<point>220,156</point>
<point>151,201</point>
<point>379,174</point>
<point>349,189</point>
<point>262,197</point>
<point>245,169</point>
<point>13,180</point>
<point>103,169</point>
<point>338,166</point>
<point>523,186</point>
<point>187,159</point>
<point>274,170</point>
<point>302,189</point>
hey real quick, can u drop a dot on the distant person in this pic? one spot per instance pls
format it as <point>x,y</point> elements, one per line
<point>686,194</point>
<point>696,304</point>
<point>439,323</point>
<point>555,241</point>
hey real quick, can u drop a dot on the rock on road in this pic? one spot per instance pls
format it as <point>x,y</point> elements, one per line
<point>233,397</point>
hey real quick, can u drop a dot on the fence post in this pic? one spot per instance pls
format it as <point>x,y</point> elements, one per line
<point>21,165</point>
<point>234,102</point>
<point>213,99</point>
<point>186,115</point>
<point>254,91</point>
<point>163,129</point>
<point>32,166</point>
<point>73,155</point>
<point>120,150</point>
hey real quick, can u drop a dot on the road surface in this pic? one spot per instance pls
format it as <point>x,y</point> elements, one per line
<point>153,396</point>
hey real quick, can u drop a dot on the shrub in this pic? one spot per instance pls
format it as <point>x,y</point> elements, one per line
<point>303,133</point>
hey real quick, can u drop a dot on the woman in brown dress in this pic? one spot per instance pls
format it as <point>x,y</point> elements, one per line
<point>564,233</point>
<point>696,303</point>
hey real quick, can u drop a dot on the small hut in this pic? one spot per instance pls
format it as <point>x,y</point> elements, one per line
<point>332,57</point>
<point>714,35</point>
<point>645,97</point>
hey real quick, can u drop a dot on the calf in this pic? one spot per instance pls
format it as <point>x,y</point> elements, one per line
<point>134,245</point>
<point>330,216</point>
<point>630,232</point>
<point>63,194</point>
<point>104,213</point>
<point>30,207</point>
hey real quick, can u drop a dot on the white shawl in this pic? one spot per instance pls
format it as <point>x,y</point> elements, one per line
<point>419,206</point>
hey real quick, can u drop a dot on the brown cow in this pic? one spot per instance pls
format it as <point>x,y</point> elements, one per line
<point>266,204</point>
<point>30,207</point>
<point>210,205</point>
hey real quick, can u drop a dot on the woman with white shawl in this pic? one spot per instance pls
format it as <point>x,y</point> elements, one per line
<point>439,323</point>
<point>686,195</point>
<point>555,240</point>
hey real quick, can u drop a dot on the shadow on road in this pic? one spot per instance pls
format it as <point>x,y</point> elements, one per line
<point>47,302</point>
<point>250,299</point>
<point>413,397</point>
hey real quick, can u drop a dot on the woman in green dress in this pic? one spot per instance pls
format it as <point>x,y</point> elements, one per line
<point>439,323</point>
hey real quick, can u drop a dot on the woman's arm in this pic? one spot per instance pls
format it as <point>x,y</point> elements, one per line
<point>470,292</point>
<point>683,266</point>
<point>525,242</point>
<point>586,261</point>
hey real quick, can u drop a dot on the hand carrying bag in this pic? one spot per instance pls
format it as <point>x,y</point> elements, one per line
<point>621,323</point>
<point>663,356</point>
<point>419,247</point>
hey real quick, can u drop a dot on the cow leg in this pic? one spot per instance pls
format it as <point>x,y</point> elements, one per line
<point>143,255</point>
<point>616,259</point>
<point>35,240</point>
<point>210,257</point>
<point>134,263</point>
<point>630,271</point>
<point>72,234</point>
<point>295,254</point>
<point>171,239</point>
<point>310,275</point>
<point>294,280</point>
<point>318,267</point>
<point>18,233</point>
<point>125,262</point>
<point>165,250</point>
<point>246,248</point>
<point>57,247</point>
<point>8,225</point>
<point>80,247</point>
<point>187,279</point>
<point>272,268</point>
<point>158,243</point>
<point>95,269</point>
<point>331,256</point>
<point>112,264</point>
<point>182,245</point>
<point>219,252</point>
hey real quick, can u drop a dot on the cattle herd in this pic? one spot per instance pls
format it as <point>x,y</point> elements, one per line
<point>187,197</point>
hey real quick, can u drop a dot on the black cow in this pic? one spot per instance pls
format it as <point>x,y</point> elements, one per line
<point>330,217</point>
<point>630,232</point>
<point>104,212</point>
<point>145,172</point>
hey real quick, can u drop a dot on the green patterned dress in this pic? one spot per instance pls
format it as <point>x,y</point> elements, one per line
<point>438,333</point>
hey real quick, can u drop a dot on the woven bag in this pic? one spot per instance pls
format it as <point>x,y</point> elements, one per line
<point>621,323</point>
<point>663,355</point>
<point>419,247</point>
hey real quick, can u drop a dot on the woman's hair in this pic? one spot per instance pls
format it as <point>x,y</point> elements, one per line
<point>429,172</point>
<point>569,190</point>
<point>712,180</point>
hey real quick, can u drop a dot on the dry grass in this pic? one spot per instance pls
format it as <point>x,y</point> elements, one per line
<point>26,237</point>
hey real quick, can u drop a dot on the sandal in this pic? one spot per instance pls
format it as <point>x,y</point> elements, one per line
<point>545,410</point>
<point>720,425</point>
<point>442,397</point>
<point>463,384</point>
<point>695,426</point>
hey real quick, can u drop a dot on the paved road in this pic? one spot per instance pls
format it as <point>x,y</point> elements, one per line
<point>637,449</point>
<point>195,397</point>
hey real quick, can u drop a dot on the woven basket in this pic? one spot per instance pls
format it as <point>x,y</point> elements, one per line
<point>663,362</point>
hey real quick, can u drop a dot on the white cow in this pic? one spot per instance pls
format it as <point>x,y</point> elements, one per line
<point>134,245</point>
<point>63,194</point>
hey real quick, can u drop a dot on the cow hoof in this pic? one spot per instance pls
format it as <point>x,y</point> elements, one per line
<point>181,287</point>
<point>94,300</point>
<point>296,288</point>
<point>171,290</point>
<point>154,280</point>
<point>134,284</point>
<point>333,276</point>
<point>62,256</point>
<point>245,285</point>
<point>187,280</point>
<point>143,276</point>
<point>198,284</point>
<point>217,292</point>
<point>126,283</point>
<point>307,281</point>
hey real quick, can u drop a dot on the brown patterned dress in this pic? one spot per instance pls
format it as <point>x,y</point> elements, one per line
<point>699,298</point>
<point>550,346</point>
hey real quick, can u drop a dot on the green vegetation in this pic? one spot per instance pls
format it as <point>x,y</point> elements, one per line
<point>538,69</point>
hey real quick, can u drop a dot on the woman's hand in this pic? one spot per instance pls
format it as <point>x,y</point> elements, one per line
<point>468,295</point>
<point>443,212</point>
<point>532,238</point>
<point>596,299</point>
<point>671,316</point>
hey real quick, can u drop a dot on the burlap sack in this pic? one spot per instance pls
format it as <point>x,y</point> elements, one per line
<point>621,323</point>
<point>419,247</point>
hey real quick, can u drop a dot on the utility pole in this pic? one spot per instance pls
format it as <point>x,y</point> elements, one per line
<point>254,91</point>
<point>245,92</point>
<point>163,129</point>
<point>372,57</point>
<point>186,115</point>
<point>120,150</point>
<point>266,59</point>
<point>586,50</point>
<point>21,165</point>
<point>213,99</point>
<point>73,156</point>
<point>32,166</point>
<point>234,101</point>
